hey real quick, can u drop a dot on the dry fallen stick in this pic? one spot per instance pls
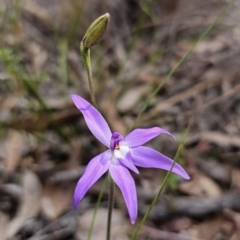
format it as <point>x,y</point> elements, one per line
<point>155,234</point>
<point>230,93</point>
<point>65,233</point>
<point>216,171</point>
<point>192,91</point>
<point>223,140</point>
<point>11,197</point>
<point>43,121</point>
<point>195,207</point>
<point>63,228</point>
<point>67,175</point>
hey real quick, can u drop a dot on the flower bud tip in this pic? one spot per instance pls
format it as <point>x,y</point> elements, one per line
<point>95,31</point>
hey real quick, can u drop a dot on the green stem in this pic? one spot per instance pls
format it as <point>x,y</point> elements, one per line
<point>96,208</point>
<point>179,150</point>
<point>85,52</point>
<point>110,206</point>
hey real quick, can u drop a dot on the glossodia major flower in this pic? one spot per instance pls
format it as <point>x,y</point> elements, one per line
<point>123,153</point>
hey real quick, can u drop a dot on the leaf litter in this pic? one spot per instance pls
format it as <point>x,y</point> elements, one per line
<point>38,170</point>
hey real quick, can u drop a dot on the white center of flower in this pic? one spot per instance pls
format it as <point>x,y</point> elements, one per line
<point>119,152</point>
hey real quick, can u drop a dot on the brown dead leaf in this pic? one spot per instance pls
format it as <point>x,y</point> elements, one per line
<point>236,235</point>
<point>177,224</point>
<point>100,226</point>
<point>29,123</point>
<point>155,234</point>
<point>210,46</point>
<point>39,56</point>
<point>37,10</point>
<point>235,218</point>
<point>201,185</point>
<point>235,178</point>
<point>14,148</point>
<point>223,140</point>
<point>30,203</point>
<point>4,222</point>
<point>56,198</point>
<point>131,97</point>
<point>206,230</point>
<point>216,170</point>
<point>113,117</point>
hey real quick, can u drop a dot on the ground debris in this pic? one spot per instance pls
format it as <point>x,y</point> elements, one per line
<point>45,144</point>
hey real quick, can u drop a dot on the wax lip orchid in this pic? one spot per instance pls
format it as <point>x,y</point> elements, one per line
<point>124,153</point>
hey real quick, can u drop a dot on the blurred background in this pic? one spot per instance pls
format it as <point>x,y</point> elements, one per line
<point>45,143</point>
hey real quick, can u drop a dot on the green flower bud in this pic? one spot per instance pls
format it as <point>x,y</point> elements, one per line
<point>95,31</point>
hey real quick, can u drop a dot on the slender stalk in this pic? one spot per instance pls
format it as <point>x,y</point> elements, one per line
<point>92,36</point>
<point>96,208</point>
<point>110,206</point>
<point>179,150</point>
<point>85,52</point>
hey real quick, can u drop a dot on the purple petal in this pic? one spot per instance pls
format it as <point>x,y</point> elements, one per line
<point>127,162</point>
<point>125,182</point>
<point>94,120</point>
<point>94,170</point>
<point>149,158</point>
<point>140,136</point>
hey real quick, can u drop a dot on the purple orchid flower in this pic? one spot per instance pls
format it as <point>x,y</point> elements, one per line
<point>123,153</point>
